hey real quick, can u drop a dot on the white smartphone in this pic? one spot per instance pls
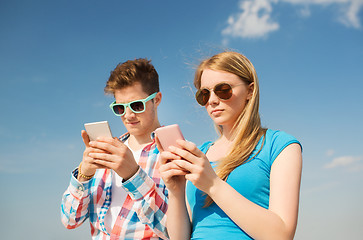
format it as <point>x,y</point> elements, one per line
<point>168,135</point>
<point>98,129</point>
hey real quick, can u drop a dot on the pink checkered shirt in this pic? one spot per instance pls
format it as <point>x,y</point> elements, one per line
<point>143,214</point>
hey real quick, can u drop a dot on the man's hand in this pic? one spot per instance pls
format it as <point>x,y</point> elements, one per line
<point>113,154</point>
<point>88,166</point>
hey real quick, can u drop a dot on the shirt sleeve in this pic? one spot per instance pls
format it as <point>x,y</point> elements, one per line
<point>75,201</point>
<point>280,140</point>
<point>151,202</point>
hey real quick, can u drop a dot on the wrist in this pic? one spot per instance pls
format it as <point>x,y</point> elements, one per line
<point>130,174</point>
<point>83,176</point>
<point>177,193</point>
<point>217,184</point>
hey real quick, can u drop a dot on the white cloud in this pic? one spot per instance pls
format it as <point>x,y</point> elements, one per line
<point>350,14</point>
<point>343,161</point>
<point>255,21</point>
<point>305,12</point>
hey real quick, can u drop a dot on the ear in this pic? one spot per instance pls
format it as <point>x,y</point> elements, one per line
<point>250,88</point>
<point>157,99</point>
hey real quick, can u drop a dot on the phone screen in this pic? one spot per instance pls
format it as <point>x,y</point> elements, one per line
<point>98,129</point>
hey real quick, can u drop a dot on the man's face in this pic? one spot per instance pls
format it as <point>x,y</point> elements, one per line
<point>138,124</point>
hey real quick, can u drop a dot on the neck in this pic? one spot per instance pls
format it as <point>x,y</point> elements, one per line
<point>140,141</point>
<point>227,133</point>
<point>224,141</point>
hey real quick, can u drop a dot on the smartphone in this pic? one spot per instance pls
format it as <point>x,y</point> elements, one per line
<point>168,135</point>
<point>98,129</point>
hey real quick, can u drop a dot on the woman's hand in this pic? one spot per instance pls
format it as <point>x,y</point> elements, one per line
<point>196,165</point>
<point>172,174</point>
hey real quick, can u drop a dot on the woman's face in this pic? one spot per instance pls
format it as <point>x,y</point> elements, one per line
<point>225,112</point>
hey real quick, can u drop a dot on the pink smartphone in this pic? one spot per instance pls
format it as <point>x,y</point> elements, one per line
<point>168,135</point>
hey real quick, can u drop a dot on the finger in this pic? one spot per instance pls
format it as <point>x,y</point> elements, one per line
<point>184,154</point>
<point>101,156</point>
<point>89,160</point>
<point>167,156</point>
<point>169,170</point>
<point>105,146</point>
<point>99,166</point>
<point>113,141</point>
<point>170,165</point>
<point>103,164</point>
<point>190,146</point>
<point>187,166</point>
<point>95,150</point>
<point>85,138</point>
<point>173,172</point>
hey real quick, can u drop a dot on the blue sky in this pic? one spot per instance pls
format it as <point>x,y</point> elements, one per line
<point>55,57</point>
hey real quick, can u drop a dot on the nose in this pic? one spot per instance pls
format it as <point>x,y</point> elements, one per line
<point>213,99</point>
<point>129,113</point>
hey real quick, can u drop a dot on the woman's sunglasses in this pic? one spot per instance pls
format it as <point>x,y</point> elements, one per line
<point>222,90</point>
<point>137,106</point>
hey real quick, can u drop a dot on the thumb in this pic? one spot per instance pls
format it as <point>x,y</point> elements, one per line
<point>85,138</point>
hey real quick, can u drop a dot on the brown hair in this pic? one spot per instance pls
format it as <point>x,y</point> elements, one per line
<point>247,130</point>
<point>127,73</point>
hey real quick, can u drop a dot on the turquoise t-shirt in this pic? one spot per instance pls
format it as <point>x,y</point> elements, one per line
<point>251,179</point>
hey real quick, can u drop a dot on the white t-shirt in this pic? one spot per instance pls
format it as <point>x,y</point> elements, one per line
<point>118,194</point>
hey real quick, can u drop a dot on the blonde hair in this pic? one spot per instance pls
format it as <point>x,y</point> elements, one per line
<point>247,130</point>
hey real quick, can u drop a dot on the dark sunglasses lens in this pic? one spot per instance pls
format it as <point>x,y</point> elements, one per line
<point>202,96</point>
<point>137,106</point>
<point>223,91</point>
<point>119,109</point>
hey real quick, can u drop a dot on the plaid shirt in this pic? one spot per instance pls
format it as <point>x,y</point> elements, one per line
<point>143,214</point>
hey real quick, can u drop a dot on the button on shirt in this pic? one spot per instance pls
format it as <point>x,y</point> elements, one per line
<point>143,212</point>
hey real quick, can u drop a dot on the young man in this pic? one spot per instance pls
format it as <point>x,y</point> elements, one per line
<point>117,185</point>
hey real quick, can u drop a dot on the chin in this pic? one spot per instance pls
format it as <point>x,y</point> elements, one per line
<point>137,131</point>
<point>132,131</point>
<point>219,122</point>
<point>222,121</point>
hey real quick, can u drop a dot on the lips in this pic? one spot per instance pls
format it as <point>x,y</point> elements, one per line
<point>132,123</point>
<point>216,111</point>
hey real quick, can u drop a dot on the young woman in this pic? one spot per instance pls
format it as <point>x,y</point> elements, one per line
<point>246,184</point>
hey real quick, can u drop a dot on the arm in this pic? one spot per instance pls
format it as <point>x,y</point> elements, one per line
<point>150,201</point>
<point>178,223</point>
<point>75,201</point>
<point>277,222</point>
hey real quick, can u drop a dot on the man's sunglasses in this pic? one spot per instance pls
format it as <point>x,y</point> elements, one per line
<point>222,90</point>
<point>137,106</point>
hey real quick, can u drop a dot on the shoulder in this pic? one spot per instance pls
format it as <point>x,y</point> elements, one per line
<point>205,146</point>
<point>279,137</point>
<point>276,141</point>
<point>124,137</point>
